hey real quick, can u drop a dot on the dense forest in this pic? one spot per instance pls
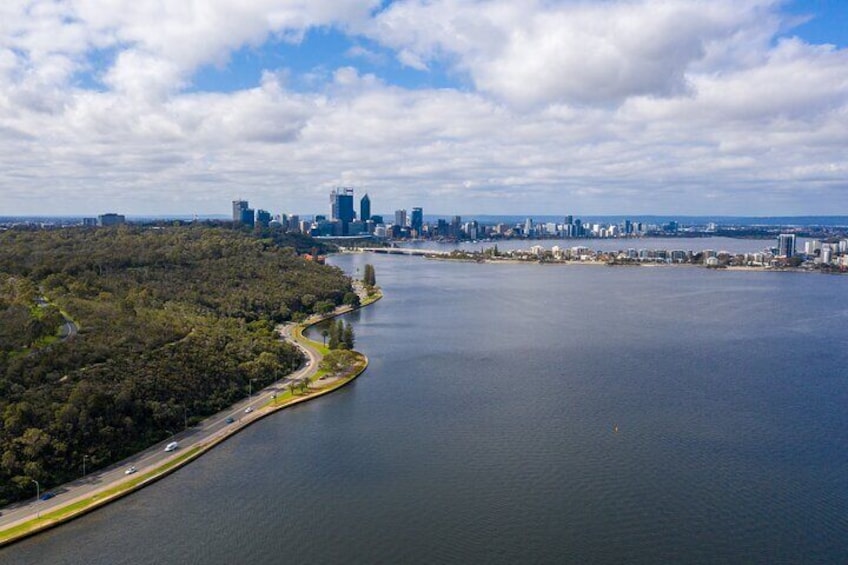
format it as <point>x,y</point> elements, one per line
<point>173,323</point>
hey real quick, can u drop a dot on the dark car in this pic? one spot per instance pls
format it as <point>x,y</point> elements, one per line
<point>47,495</point>
<point>229,420</point>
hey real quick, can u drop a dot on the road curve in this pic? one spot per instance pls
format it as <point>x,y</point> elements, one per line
<point>103,479</point>
<point>203,435</point>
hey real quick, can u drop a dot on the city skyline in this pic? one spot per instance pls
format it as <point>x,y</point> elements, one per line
<point>622,107</point>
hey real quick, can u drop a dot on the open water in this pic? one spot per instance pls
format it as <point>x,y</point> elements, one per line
<point>531,414</point>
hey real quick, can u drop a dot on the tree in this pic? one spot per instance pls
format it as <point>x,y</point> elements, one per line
<point>337,361</point>
<point>369,277</point>
<point>351,299</point>
<point>340,332</point>
<point>323,307</point>
<point>324,334</point>
<point>333,332</point>
<point>347,336</point>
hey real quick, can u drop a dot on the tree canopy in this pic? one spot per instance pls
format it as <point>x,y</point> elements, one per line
<point>173,322</point>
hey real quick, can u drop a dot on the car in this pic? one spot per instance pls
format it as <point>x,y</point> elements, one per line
<point>172,446</point>
<point>248,410</point>
<point>229,420</point>
<point>48,495</point>
<point>131,470</point>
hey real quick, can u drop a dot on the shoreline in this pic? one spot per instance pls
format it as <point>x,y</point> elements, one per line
<point>654,265</point>
<point>83,504</point>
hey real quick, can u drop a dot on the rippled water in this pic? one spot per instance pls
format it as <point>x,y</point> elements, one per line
<point>532,414</point>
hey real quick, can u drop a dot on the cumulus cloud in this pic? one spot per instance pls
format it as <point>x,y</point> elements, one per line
<point>537,52</point>
<point>622,106</point>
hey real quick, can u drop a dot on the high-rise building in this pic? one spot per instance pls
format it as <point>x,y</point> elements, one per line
<point>247,217</point>
<point>263,218</point>
<point>365,208</point>
<point>110,219</point>
<point>472,229</point>
<point>456,227</point>
<point>341,205</point>
<point>238,207</point>
<point>417,221</point>
<point>786,245</point>
<point>400,218</point>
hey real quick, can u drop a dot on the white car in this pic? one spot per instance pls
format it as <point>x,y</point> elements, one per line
<point>172,446</point>
<point>248,410</point>
<point>131,470</point>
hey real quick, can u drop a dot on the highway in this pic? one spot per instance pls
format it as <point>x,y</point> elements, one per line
<point>215,425</point>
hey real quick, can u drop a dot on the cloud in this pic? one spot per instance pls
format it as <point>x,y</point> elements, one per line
<point>372,57</point>
<point>531,53</point>
<point>629,106</point>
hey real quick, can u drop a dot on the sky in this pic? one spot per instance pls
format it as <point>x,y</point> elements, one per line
<point>689,107</point>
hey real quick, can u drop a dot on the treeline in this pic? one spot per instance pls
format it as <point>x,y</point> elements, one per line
<point>340,335</point>
<point>174,323</point>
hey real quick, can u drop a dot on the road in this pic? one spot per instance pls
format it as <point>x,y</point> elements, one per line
<point>151,458</point>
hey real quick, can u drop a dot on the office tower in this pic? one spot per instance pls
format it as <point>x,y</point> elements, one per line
<point>238,207</point>
<point>293,223</point>
<point>569,220</point>
<point>456,227</point>
<point>472,229</point>
<point>786,245</point>
<point>263,218</point>
<point>417,221</point>
<point>528,228</point>
<point>110,220</point>
<point>341,205</point>
<point>400,218</point>
<point>365,208</point>
<point>247,218</point>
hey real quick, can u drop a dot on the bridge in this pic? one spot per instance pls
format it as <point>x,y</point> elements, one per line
<point>399,251</point>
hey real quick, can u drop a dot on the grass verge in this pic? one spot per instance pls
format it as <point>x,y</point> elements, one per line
<point>80,507</point>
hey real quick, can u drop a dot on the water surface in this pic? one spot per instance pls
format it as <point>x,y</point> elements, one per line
<point>531,414</point>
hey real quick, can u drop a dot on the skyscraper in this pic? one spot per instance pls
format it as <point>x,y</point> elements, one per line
<point>365,208</point>
<point>247,217</point>
<point>456,227</point>
<point>529,231</point>
<point>786,245</point>
<point>263,218</point>
<point>400,218</point>
<point>238,207</point>
<point>341,205</point>
<point>417,220</point>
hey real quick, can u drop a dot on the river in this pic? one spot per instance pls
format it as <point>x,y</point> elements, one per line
<point>520,413</point>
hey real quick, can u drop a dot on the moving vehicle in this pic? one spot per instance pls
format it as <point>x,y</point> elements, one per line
<point>172,446</point>
<point>229,420</point>
<point>47,495</point>
<point>131,470</point>
<point>248,410</point>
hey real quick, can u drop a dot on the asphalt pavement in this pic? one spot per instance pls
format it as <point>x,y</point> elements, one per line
<point>103,479</point>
